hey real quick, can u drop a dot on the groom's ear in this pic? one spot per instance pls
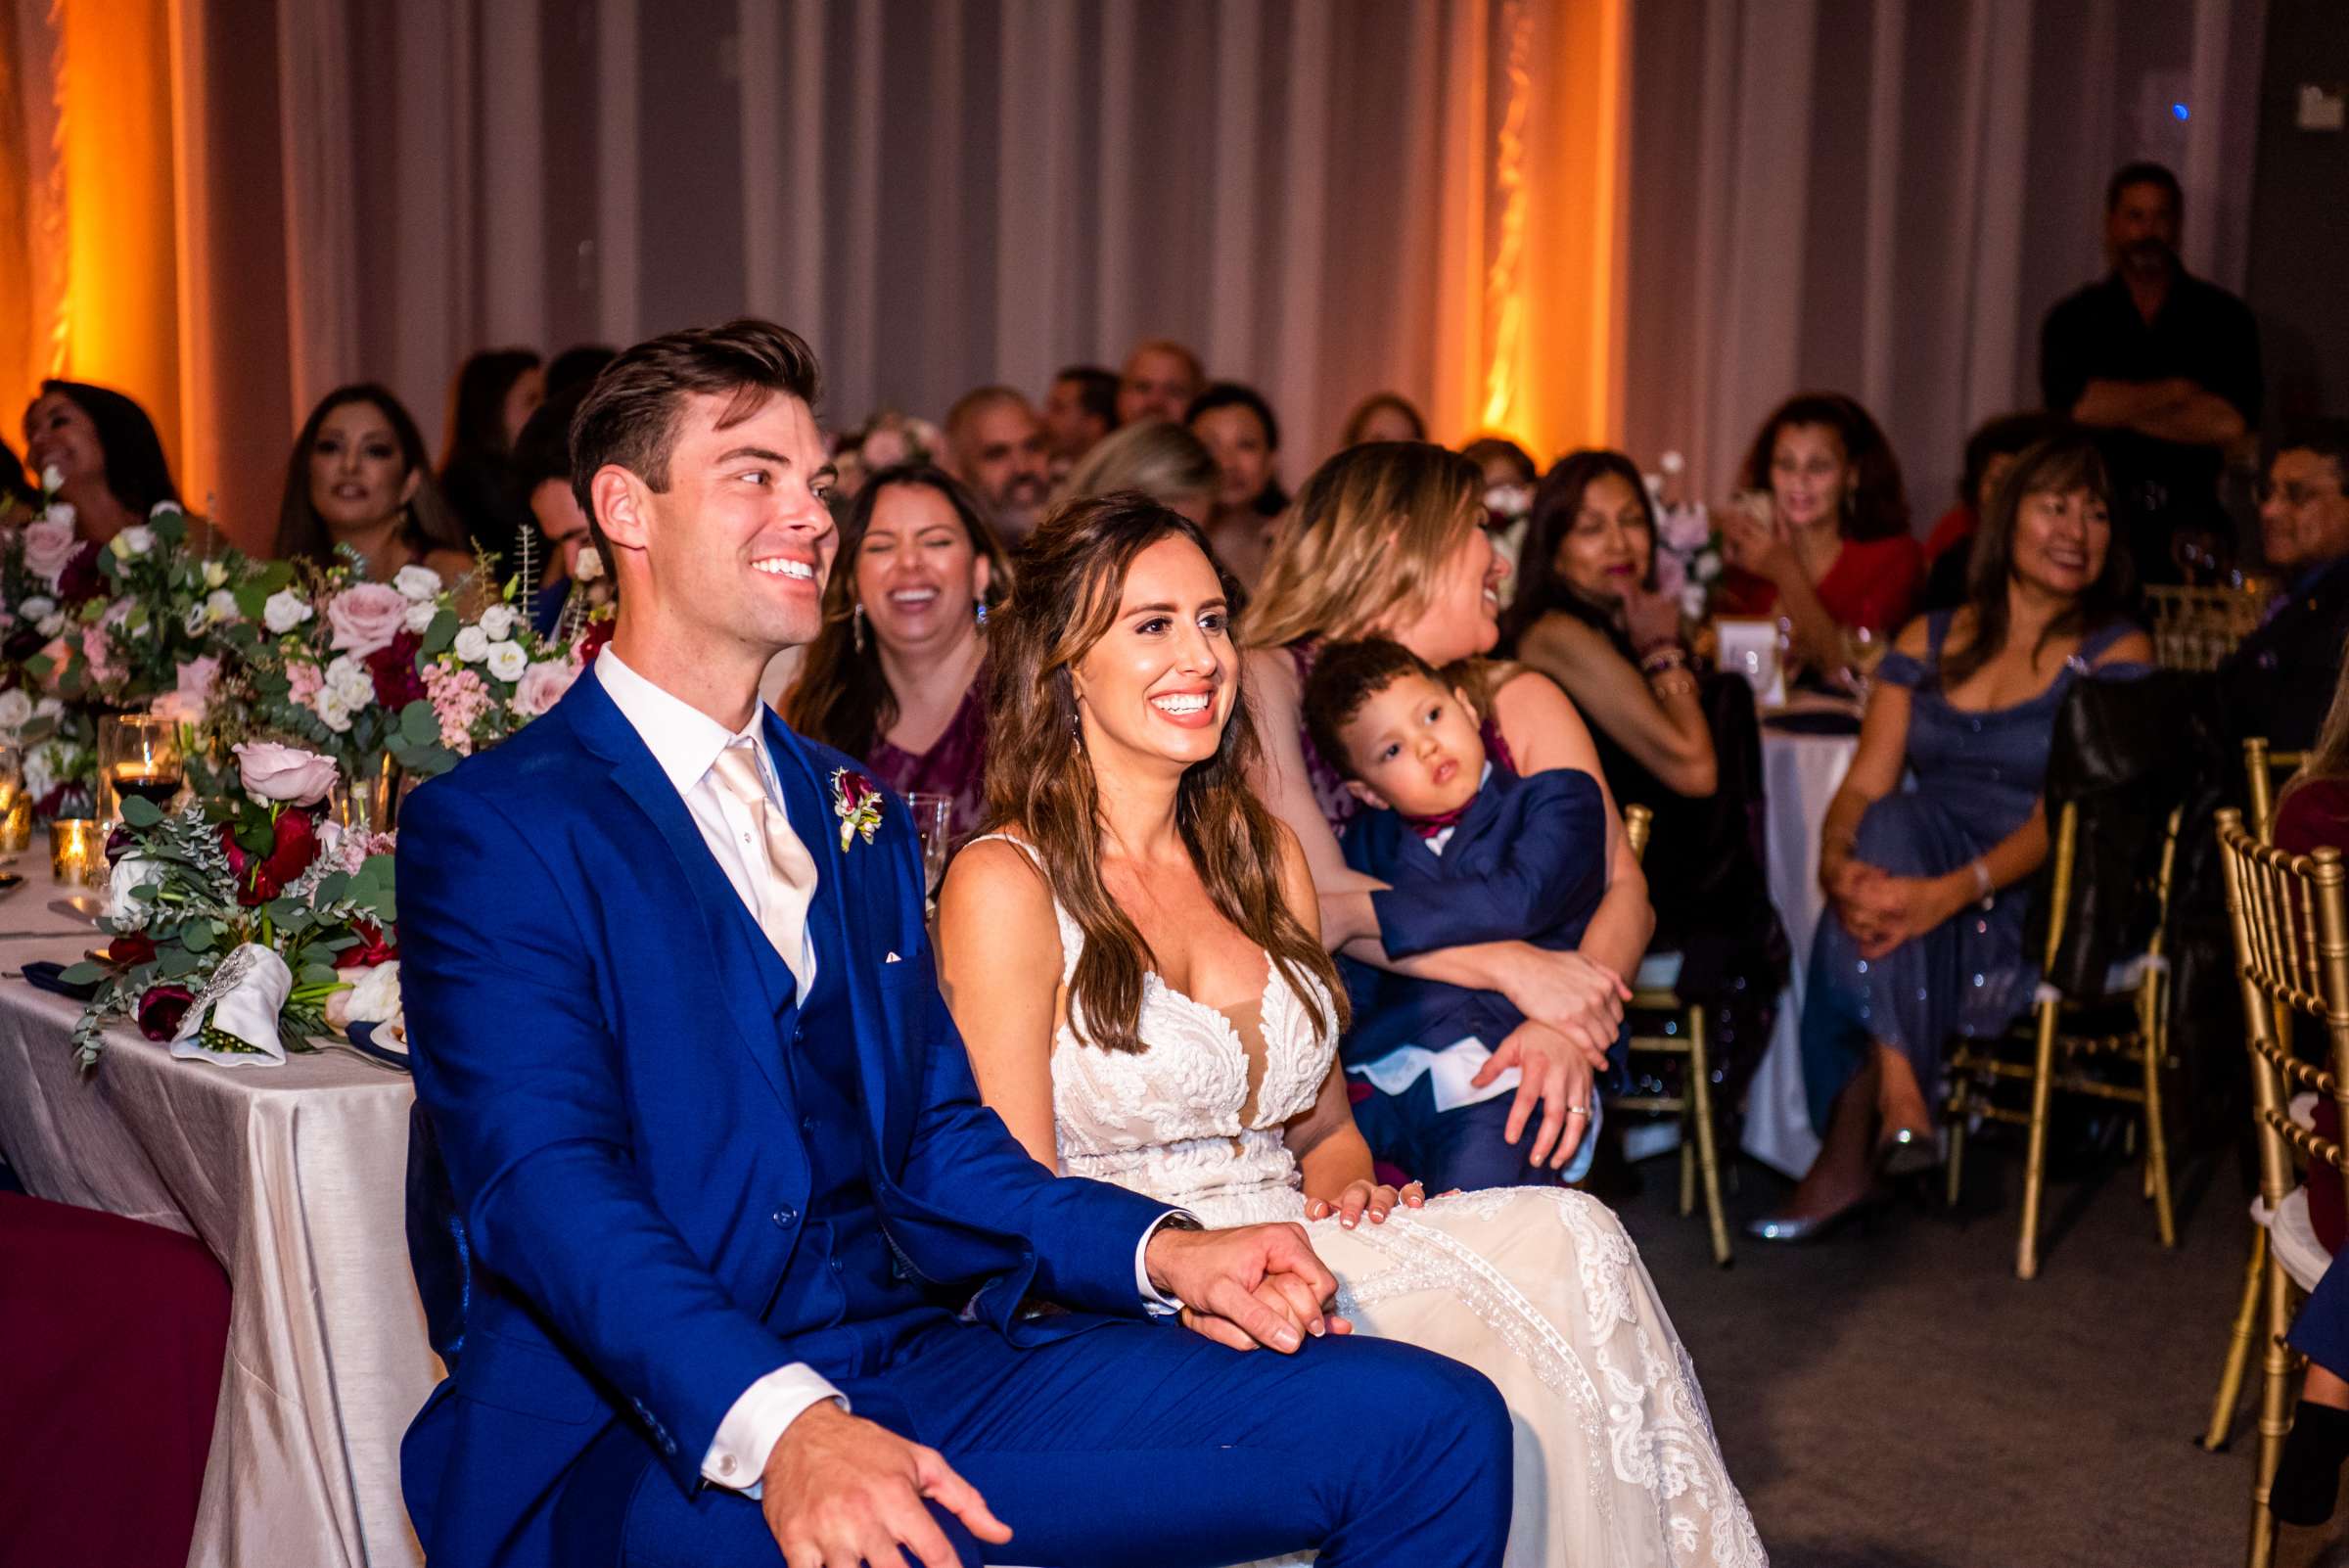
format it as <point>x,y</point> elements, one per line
<point>623,506</point>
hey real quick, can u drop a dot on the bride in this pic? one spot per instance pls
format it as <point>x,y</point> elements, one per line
<point>1133,965</point>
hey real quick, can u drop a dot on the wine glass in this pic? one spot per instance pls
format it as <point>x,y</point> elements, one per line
<point>138,754</point>
<point>933,820</point>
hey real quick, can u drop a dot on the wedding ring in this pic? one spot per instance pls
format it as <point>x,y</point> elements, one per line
<point>1577,1110</point>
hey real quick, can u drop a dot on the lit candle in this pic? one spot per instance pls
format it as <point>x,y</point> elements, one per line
<point>78,852</point>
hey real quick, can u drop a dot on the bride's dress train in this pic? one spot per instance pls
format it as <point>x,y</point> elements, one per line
<point>1538,1288</point>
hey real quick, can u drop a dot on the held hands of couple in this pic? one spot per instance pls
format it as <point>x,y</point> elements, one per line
<point>1577,999</point>
<point>839,1490</point>
<point>1247,1286</point>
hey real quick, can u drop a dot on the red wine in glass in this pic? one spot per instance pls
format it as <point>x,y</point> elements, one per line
<point>155,785</point>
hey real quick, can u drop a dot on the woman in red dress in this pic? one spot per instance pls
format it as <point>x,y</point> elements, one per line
<point>1820,534</point>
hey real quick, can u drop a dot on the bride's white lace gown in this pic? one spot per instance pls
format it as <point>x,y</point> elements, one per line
<point>1538,1288</point>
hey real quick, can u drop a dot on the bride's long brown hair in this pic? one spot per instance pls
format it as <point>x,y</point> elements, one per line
<point>1039,779</point>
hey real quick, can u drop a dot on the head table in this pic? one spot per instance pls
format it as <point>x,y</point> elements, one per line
<point>293,1177</point>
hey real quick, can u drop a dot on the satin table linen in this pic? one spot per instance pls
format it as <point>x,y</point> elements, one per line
<point>1801,774</point>
<point>293,1177</point>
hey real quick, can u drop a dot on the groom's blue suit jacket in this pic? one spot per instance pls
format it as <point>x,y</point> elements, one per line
<point>605,1057</point>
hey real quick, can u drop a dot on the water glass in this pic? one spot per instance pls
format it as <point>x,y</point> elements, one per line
<point>933,820</point>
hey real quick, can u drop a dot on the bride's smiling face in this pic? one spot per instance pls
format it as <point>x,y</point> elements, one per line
<point>1159,684</point>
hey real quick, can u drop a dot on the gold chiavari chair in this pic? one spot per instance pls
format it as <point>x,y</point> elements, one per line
<point>2290,919</point>
<point>2260,767</point>
<point>2067,1060</point>
<point>2195,628</point>
<point>1700,1157</point>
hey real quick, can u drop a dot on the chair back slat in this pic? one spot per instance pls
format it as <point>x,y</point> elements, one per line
<point>2196,629</point>
<point>2290,914</point>
<point>2260,768</point>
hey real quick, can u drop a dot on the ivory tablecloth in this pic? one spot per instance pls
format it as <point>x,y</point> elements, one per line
<point>1801,774</point>
<point>291,1175</point>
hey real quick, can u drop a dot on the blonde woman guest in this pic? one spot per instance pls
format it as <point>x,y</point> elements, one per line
<point>1155,459</point>
<point>1387,540</point>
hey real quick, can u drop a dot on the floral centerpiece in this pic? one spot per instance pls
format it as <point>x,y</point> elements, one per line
<point>246,924</point>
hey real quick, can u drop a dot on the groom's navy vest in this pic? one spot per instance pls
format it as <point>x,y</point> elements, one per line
<point>843,1300</point>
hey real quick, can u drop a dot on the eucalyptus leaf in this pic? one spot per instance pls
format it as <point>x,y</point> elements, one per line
<point>84,973</point>
<point>319,975</point>
<point>140,812</point>
<point>198,936</point>
<point>438,637</point>
<point>419,725</point>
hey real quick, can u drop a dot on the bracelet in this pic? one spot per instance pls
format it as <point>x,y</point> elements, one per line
<point>1667,655</point>
<point>1983,886</point>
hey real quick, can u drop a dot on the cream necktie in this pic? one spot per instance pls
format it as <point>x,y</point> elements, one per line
<point>788,882</point>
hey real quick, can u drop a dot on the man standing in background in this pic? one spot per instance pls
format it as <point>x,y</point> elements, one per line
<point>2165,364</point>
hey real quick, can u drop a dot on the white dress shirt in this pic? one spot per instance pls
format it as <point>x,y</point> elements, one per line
<point>686,742</point>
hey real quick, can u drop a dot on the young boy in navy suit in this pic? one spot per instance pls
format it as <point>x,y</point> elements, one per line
<point>1469,853</point>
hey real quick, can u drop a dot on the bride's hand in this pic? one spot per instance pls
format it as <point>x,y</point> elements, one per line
<point>1366,1196</point>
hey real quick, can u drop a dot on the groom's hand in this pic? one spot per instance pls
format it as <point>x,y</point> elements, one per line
<point>839,1490</point>
<point>1245,1287</point>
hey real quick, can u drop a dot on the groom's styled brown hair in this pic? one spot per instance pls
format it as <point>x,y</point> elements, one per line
<point>1039,780</point>
<point>629,414</point>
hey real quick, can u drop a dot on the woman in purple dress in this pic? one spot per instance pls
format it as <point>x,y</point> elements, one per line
<point>1927,879</point>
<point>896,677</point>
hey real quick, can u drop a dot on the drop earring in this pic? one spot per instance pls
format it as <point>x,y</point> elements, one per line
<point>979,610</point>
<point>856,625</point>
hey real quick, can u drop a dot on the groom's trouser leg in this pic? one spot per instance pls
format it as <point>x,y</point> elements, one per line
<point>1137,1446</point>
<point>1142,1445</point>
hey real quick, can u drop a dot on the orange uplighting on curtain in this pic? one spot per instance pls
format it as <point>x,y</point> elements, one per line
<point>1537,349</point>
<point>119,315</point>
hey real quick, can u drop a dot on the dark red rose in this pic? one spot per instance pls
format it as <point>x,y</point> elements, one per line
<point>296,846</point>
<point>373,948</point>
<point>131,949</point>
<point>394,666</point>
<point>21,644</point>
<point>592,640</point>
<point>162,1009</point>
<point>80,579</point>
<point>53,804</point>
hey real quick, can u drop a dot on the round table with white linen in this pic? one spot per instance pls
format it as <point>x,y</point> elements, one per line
<point>1801,774</point>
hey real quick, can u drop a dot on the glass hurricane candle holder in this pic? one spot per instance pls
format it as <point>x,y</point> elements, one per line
<point>78,852</point>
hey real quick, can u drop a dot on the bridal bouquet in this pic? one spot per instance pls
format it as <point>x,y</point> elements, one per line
<point>246,924</point>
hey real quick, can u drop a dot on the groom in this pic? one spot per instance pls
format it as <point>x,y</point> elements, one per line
<point>759,1279</point>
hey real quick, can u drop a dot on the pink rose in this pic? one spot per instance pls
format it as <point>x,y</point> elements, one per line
<point>48,543</point>
<point>194,695</point>
<point>284,773</point>
<point>1687,528</point>
<point>367,616</point>
<point>542,685</point>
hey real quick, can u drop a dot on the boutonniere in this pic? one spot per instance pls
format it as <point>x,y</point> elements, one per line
<point>856,802</point>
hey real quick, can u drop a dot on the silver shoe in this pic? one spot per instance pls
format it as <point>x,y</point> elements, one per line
<point>1906,1152</point>
<point>1789,1230</point>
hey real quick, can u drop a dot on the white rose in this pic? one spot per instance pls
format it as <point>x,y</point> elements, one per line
<point>196,620</point>
<point>53,480</point>
<point>51,626</point>
<point>349,677</point>
<point>136,539</point>
<point>507,661</point>
<point>60,512</point>
<point>473,645</point>
<point>588,567</point>
<point>420,616</point>
<point>40,772</point>
<point>418,584</point>
<point>284,611</point>
<point>16,710</point>
<point>131,872</point>
<point>221,605</point>
<point>1706,567</point>
<point>375,994</point>
<point>163,509</point>
<point>498,622</point>
<point>37,608</point>
<point>215,576</point>
<point>334,708</point>
<point>49,707</point>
